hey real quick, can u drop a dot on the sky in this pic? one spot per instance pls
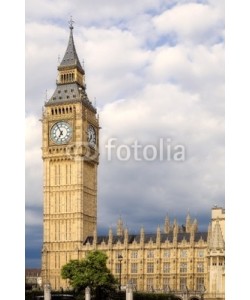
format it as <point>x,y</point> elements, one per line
<point>156,73</point>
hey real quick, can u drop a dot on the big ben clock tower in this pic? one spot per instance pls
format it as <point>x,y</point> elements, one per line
<point>70,159</point>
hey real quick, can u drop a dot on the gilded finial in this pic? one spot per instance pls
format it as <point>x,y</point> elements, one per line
<point>71,22</point>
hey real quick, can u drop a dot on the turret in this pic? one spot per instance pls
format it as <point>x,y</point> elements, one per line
<point>110,241</point>
<point>142,236</point>
<point>175,232</point>
<point>119,230</point>
<point>158,236</point>
<point>167,225</point>
<point>126,236</point>
<point>195,225</point>
<point>188,223</point>
<point>95,238</point>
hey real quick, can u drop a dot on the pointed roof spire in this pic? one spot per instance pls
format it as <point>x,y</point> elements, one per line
<point>142,235</point>
<point>167,225</point>
<point>119,228</point>
<point>70,57</point>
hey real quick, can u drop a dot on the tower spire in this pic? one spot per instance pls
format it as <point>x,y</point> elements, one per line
<point>70,58</point>
<point>70,83</point>
<point>71,22</point>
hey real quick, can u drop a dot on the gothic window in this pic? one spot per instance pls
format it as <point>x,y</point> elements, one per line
<point>150,284</point>
<point>133,281</point>
<point>166,267</point>
<point>183,267</point>
<point>200,253</point>
<point>183,283</point>
<point>166,283</point>
<point>199,283</point>
<point>150,267</point>
<point>134,254</point>
<point>200,267</point>
<point>117,268</point>
<point>166,253</point>
<point>183,253</point>
<point>134,268</point>
<point>150,254</point>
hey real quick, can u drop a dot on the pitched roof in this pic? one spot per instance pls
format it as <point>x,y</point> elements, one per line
<point>69,93</point>
<point>147,238</point>
<point>70,58</point>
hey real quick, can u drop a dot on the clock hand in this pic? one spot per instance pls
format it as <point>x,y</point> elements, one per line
<point>61,131</point>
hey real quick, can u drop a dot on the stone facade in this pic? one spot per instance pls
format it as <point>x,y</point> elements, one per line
<point>175,258</point>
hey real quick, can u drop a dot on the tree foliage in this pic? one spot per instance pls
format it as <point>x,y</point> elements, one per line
<point>92,272</point>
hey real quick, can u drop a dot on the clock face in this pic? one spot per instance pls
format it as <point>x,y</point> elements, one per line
<point>61,132</point>
<point>91,136</point>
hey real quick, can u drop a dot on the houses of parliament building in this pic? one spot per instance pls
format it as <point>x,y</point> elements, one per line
<point>178,259</point>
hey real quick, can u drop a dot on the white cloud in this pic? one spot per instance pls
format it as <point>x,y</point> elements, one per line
<point>192,22</point>
<point>33,162</point>
<point>33,218</point>
<point>99,12</point>
<point>161,111</point>
<point>156,70</point>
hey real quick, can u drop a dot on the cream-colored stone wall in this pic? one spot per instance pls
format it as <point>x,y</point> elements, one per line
<point>152,260</point>
<point>218,213</point>
<point>70,189</point>
<point>216,252</point>
<point>187,264</point>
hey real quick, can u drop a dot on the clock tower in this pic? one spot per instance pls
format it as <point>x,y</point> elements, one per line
<point>70,158</point>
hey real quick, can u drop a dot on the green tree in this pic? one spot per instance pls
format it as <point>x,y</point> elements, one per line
<point>92,272</point>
